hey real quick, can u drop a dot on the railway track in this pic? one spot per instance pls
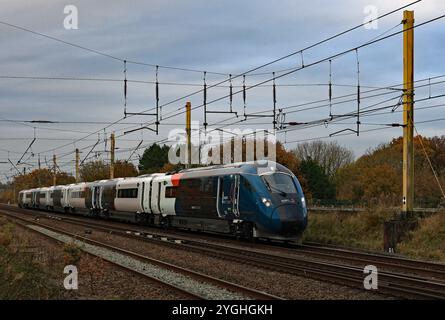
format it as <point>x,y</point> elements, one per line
<point>247,293</point>
<point>429,286</point>
<point>434,271</point>
<point>417,267</point>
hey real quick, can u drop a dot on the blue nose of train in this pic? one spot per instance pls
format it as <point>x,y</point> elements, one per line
<point>293,219</point>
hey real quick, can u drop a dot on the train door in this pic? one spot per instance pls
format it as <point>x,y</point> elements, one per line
<point>64,200</point>
<point>142,195</point>
<point>38,193</point>
<point>96,197</point>
<point>236,196</point>
<point>167,196</point>
<point>157,197</point>
<point>155,194</point>
<point>228,196</point>
<point>146,200</point>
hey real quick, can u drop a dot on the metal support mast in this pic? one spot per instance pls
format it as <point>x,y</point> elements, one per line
<point>113,146</point>
<point>408,112</point>
<point>77,164</point>
<point>55,170</point>
<point>188,130</point>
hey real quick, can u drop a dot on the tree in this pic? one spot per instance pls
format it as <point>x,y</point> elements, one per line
<point>98,170</point>
<point>329,155</point>
<point>317,181</point>
<point>6,193</point>
<point>154,158</point>
<point>381,184</point>
<point>437,145</point>
<point>41,178</point>
<point>169,167</point>
<point>36,179</point>
<point>376,177</point>
<point>123,169</point>
<point>94,170</point>
<point>284,157</point>
<point>287,158</point>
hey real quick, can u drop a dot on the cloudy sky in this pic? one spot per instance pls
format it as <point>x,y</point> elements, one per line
<point>222,38</point>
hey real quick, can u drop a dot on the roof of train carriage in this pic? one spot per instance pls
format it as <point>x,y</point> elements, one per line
<point>60,186</point>
<point>129,181</point>
<point>148,175</point>
<point>104,182</point>
<point>252,167</point>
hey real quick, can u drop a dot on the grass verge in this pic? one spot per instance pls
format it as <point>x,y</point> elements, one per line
<point>365,230</point>
<point>428,241</point>
<point>22,276</point>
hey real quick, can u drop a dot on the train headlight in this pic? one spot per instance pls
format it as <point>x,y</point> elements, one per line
<point>303,202</point>
<point>267,202</point>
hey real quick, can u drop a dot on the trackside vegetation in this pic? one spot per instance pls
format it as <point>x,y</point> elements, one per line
<point>365,230</point>
<point>22,275</point>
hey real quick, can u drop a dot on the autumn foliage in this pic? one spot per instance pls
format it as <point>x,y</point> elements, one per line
<point>98,170</point>
<point>34,179</point>
<point>376,177</point>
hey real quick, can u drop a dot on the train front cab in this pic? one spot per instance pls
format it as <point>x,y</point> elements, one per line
<point>272,199</point>
<point>245,206</point>
<point>284,204</point>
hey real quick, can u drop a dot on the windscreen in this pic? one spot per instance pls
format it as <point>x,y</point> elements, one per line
<point>279,183</point>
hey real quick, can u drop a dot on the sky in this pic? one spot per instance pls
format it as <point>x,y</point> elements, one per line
<point>222,38</point>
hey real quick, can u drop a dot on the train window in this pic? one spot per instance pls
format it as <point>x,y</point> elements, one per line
<point>107,193</point>
<point>42,195</point>
<point>207,186</point>
<point>127,193</point>
<point>170,192</point>
<point>28,196</point>
<point>77,194</point>
<point>279,183</point>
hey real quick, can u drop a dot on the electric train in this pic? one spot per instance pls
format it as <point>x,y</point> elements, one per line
<point>260,199</point>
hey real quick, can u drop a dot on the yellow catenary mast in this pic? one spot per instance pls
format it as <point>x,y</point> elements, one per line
<point>188,129</point>
<point>55,170</point>
<point>408,112</point>
<point>77,164</point>
<point>113,145</point>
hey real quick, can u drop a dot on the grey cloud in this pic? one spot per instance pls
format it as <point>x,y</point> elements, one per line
<point>225,36</point>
